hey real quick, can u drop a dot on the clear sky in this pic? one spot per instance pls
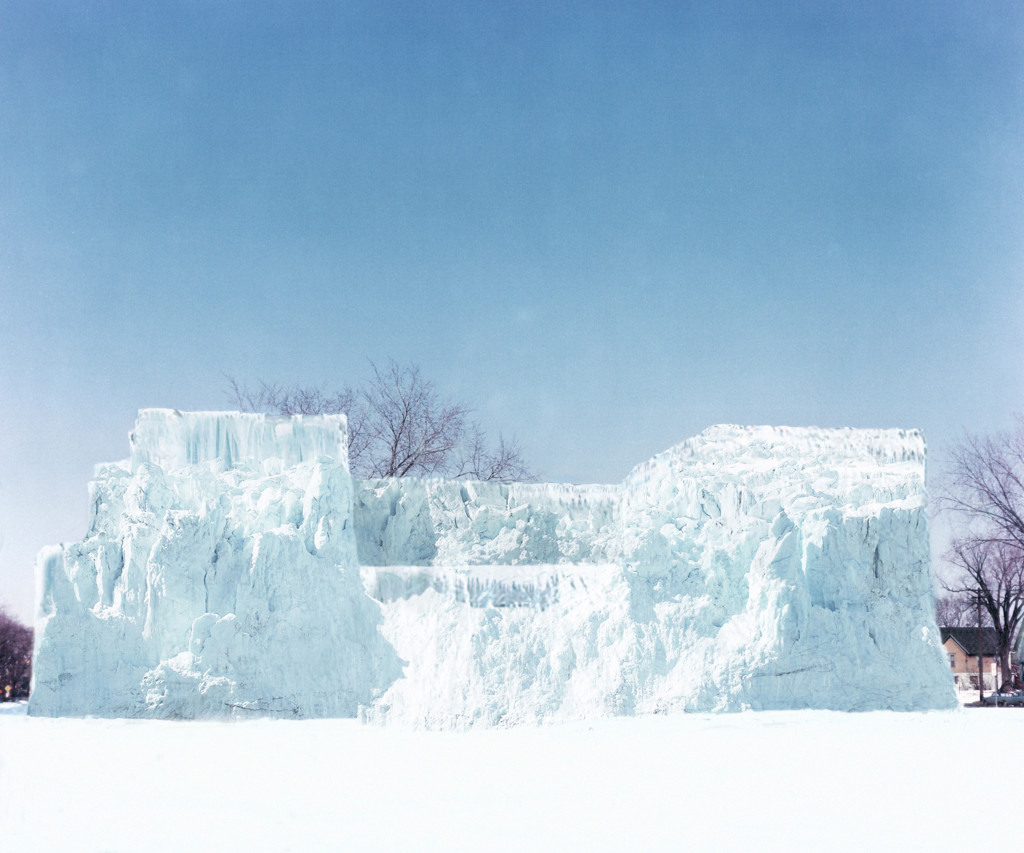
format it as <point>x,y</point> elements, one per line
<point>604,225</point>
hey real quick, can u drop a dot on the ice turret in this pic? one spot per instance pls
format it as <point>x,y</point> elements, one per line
<point>219,578</point>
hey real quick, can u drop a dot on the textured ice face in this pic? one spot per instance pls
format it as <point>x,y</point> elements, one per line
<point>233,567</point>
<point>448,523</point>
<point>172,440</point>
<point>218,577</point>
<point>745,568</point>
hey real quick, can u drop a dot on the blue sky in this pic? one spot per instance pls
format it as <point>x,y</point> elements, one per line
<point>605,226</point>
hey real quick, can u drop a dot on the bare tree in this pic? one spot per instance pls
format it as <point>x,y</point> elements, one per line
<point>984,489</point>
<point>15,657</point>
<point>477,461</point>
<point>956,610</point>
<point>411,431</point>
<point>292,400</point>
<point>985,484</point>
<point>399,426</point>
<point>992,571</point>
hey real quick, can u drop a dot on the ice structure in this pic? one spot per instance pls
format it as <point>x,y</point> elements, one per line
<point>218,577</point>
<point>233,567</point>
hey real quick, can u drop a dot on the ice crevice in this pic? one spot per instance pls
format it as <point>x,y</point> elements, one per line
<point>232,567</point>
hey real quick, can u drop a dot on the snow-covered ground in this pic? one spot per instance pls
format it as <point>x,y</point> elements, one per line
<point>792,780</point>
<point>968,697</point>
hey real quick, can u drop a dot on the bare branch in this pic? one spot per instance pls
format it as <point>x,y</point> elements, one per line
<point>399,426</point>
<point>992,573</point>
<point>503,463</point>
<point>985,483</point>
<point>956,610</point>
<point>984,489</point>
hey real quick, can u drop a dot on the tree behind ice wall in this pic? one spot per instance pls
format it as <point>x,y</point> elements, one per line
<point>957,610</point>
<point>399,426</point>
<point>15,656</point>
<point>984,487</point>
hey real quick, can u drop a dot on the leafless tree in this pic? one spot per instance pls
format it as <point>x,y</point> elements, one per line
<point>291,400</point>
<point>992,570</point>
<point>984,489</point>
<point>956,610</point>
<point>984,484</point>
<point>477,461</point>
<point>412,432</point>
<point>15,657</point>
<point>399,426</point>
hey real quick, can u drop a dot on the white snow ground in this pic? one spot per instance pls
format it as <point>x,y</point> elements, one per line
<point>780,780</point>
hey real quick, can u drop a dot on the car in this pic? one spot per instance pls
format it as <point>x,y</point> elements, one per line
<point>1011,697</point>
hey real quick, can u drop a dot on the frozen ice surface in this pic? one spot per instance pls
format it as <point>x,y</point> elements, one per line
<point>233,567</point>
<point>171,439</point>
<point>218,577</point>
<point>444,522</point>
<point>745,568</point>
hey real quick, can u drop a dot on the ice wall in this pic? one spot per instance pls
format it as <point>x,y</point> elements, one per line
<point>798,562</point>
<point>232,566</point>
<point>218,577</point>
<point>446,523</point>
<point>745,568</point>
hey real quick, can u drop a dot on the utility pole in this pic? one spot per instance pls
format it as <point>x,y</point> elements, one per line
<point>981,677</point>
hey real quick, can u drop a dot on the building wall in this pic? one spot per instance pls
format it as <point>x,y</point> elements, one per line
<point>961,664</point>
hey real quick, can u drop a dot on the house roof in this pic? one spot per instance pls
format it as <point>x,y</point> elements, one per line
<point>967,639</point>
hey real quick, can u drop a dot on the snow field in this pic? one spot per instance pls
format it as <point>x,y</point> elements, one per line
<point>779,780</point>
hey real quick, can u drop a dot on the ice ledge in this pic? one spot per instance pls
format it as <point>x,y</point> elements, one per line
<point>849,444</point>
<point>532,586</point>
<point>173,440</point>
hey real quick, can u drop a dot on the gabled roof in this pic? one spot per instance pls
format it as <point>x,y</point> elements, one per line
<point>967,639</point>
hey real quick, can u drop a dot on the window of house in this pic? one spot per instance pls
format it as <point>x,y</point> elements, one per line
<point>952,660</point>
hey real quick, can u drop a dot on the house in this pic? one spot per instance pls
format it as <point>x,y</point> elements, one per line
<point>961,644</point>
